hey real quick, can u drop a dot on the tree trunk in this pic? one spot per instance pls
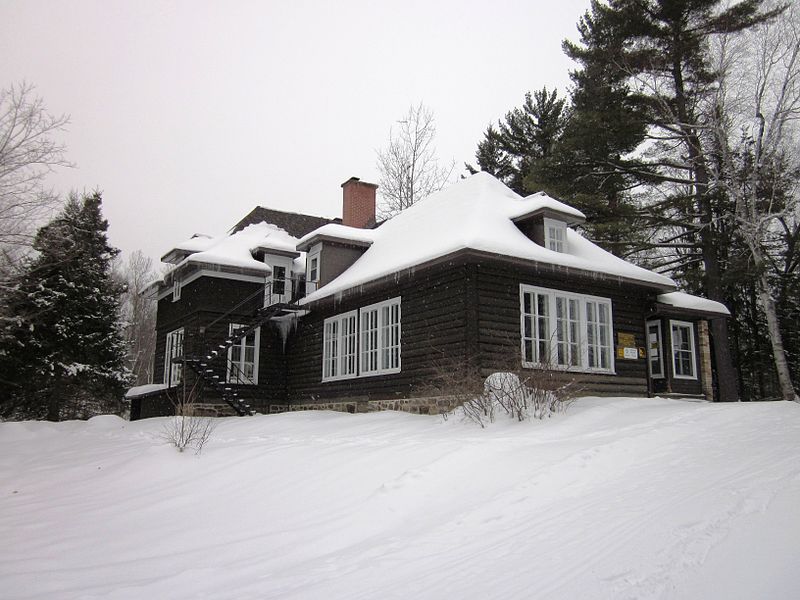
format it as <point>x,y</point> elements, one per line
<point>776,340</point>
<point>54,401</point>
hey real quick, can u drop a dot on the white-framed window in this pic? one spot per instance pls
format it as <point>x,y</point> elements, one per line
<point>362,342</point>
<point>655,354</point>
<point>565,330</point>
<point>340,347</point>
<point>683,359</point>
<point>313,268</point>
<point>176,289</point>
<point>173,349</point>
<point>555,235</point>
<point>242,368</point>
<point>380,338</point>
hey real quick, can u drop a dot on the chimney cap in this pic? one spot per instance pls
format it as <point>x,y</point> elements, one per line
<point>358,180</point>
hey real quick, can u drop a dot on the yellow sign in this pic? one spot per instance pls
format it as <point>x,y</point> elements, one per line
<point>626,340</point>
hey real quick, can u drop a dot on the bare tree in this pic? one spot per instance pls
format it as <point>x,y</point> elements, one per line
<point>756,110</point>
<point>187,429</point>
<point>28,152</point>
<point>408,166</point>
<point>139,315</point>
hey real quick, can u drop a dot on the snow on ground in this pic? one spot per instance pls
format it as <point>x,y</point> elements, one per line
<point>620,498</point>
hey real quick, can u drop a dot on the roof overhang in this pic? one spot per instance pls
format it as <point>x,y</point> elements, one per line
<point>550,213</point>
<point>306,244</point>
<point>470,254</point>
<point>275,251</point>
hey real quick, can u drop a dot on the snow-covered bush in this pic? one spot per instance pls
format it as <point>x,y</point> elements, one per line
<point>536,394</point>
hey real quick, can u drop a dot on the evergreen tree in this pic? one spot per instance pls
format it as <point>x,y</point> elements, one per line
<point>62,355</point>
<point>663,54</point>
<point>526,135</point>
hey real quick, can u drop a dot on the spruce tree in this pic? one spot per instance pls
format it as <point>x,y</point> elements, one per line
<point>62,353</point>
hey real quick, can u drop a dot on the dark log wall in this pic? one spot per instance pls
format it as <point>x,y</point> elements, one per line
<point>669,384</point>
<point>433,332</point>
<point>202,302</point>
<point>467,307</point>
<point>497,287</point>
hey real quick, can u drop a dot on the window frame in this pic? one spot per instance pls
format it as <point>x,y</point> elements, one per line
<point>173,372</point>
<point>560,243</point>
<point>552,323</point>
<point>660,348</point>
<point>339,358</point>
<point>692,348</point>
<point>314,254</point>
<point>381,327</point>
<point>256,333</point>
<point>176,289</point>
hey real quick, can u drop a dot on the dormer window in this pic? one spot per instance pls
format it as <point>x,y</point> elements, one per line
<point>312,268</point>
<point>555,235</point>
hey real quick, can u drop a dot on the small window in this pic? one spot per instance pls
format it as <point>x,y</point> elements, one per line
<point>683,350</point>
<point>312,268</point>
<point>176,290</point>
<point>655,359</point>
<point>278,280</point>
<point>555,235</point>
<point>173,350</point>
<point>243,357</point>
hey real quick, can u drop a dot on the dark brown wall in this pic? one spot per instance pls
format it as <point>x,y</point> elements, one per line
<point>669,384</point>
<point>433,329</point>
<point>335,259</point>
<point>466,307</point>
<point>497,286</point>
<point>202,302</point>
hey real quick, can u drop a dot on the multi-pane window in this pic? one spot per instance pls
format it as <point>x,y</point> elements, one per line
<point>568,349</point>
<point>598,334</point>
<point>683,349</point>
<point>340,342</point>
<point>536,327</point>
<point>243,357</point>
<point>380,338</point>
<point>363,342</point>
<point>173,349</point>
<point>555,235</point>
<point>655,361</point>
<point>278,280</point>
<point>176,290</point>
<point>565,330</point>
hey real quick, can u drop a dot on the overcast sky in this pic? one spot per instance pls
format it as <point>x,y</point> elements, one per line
<point>188,114</point>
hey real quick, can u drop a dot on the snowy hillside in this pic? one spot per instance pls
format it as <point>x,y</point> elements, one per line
<point>618,499</point>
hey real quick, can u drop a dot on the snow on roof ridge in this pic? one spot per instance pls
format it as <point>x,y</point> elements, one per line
<point>476,213</point>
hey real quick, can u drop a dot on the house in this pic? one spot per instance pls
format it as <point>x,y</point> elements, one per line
<point>291,312</point>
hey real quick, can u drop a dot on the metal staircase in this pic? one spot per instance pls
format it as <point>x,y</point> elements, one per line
<point>212,365</point>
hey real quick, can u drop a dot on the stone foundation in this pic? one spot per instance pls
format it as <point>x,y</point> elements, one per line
<point>433,405</point>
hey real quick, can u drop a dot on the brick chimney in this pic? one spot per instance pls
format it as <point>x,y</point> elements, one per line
<point>358,203</point>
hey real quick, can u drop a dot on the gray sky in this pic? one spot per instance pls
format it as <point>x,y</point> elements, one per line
<point>188,114</point>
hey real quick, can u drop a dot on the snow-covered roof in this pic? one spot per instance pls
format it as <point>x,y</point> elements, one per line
<point>689,302</point>
<point>336,232</point>
<point>236,249</point>
<point>476,213</point>
<point>144,390</point>
<point>541,202</point>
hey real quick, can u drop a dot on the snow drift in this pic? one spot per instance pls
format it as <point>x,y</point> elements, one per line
<point>619,498</point>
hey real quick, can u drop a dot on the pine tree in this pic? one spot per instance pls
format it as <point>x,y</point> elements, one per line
<point>63,353</point>
<point>663,54</point>
<point>526,135</point>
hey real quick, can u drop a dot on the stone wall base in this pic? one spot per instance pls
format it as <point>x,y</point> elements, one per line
<point>433,405</point>
<point>207,409</point>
